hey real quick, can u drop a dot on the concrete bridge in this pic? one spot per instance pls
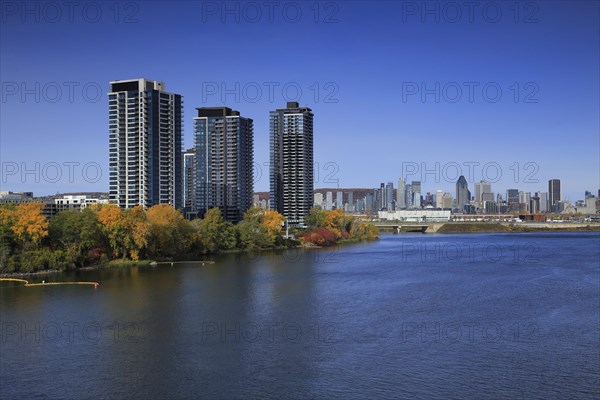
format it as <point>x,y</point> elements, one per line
<point>397,227</point>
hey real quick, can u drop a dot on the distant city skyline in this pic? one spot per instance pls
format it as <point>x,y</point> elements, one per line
<point>485,200</point>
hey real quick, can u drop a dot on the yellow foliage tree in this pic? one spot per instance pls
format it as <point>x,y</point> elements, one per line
<point>29,224</point>
<point>127,230</point>
<point>273,223</point>
<point>109,215</point>
<point>334,221</point>
<point>111,218</point>
<point>7,216</point>
<point>137,231</point>
<point>170,233</point>
<point>164,215</point>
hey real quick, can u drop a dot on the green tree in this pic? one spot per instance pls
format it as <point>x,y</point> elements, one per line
<point>316,217</point>
<point>253,232</point>
<point>74,228</point>
<point>8,238</point>
<point>213,233</point>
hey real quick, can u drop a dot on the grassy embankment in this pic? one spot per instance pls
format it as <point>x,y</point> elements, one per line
<point>492,227</point>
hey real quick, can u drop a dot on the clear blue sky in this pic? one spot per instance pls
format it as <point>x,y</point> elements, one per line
<point>366,58</point>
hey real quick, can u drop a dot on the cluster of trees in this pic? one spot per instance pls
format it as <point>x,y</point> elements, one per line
<point>71,239</point>
<point>329,227</point>
<point>100,233</point>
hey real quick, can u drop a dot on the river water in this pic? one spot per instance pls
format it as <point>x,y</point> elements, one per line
<point>408,316</point>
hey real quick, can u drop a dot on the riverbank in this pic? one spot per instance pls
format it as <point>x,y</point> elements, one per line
<point>498,227</point>
<point>126,263</point>
<point>110,264</point>
<point>32,274</point>
<point>120,263</point>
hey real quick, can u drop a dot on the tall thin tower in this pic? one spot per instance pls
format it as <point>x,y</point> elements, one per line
<point>462,193</point>
<point>554,194</point>
<point>291,159</point>
<point>145,139</point>
<point>224,143</point>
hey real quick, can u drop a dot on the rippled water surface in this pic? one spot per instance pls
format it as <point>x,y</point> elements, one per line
<point>408,316</point>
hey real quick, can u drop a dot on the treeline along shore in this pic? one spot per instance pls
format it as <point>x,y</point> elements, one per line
<point>108,235</point>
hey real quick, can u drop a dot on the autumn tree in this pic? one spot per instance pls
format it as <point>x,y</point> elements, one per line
<point>335,221</point>
<point>127,230</point>
<point>273,223</point>
<point>319,237</point>
<point>170,234</point>
<point>112,220</point>
<point>29,224</point>
<point>138,231</point>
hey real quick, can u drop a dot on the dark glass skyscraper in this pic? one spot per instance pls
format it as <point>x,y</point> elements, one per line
<point>512,196</point>
<point>389,196</point>
<point>462,193</point>
<point>512,199</point>
<point>189,183</point>
<point>382,201</point>
<point>554,194</point>
<point>291,162</point>
<point>145,139</point>
<point>224,143</point>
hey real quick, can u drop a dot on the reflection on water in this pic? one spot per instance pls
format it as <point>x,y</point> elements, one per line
<point>497,316</point>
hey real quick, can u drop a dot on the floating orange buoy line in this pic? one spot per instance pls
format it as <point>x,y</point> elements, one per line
<point>44,283</point>
<point>181,262</point>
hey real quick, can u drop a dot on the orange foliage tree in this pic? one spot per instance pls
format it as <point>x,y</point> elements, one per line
<point>273,223</point>
<point>29,224</point>
<point>334,221</point>
<point>127,230</point>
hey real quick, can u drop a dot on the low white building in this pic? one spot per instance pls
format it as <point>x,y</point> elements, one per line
<point>416,215</point>
<point>82,200</point>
